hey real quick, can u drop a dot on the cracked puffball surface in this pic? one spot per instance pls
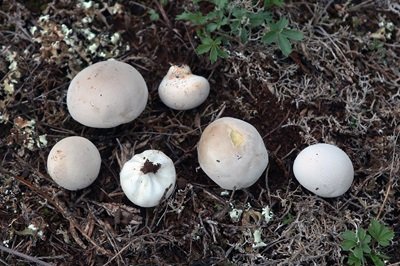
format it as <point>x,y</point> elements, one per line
<point>182,90</point>
<point>147,177</point>
<point>324,169</point>
<point>107,94</point>
<point>74,163</point>
<point>232,153</point>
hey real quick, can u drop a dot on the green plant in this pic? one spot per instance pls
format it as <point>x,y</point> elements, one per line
<point>364,245</point>
<point>153,14</point>
<point>228,23</point>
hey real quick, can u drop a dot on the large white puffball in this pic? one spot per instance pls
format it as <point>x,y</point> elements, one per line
<point>324,169</point>
<point>232,153</point>
<point>107,94</point>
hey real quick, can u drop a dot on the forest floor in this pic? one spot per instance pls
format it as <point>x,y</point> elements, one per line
<point>340,85</point>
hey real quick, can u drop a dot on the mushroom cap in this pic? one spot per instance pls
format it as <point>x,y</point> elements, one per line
<point>107,94</point>
<point>74,163</point>
<point>182,90</point>
<point>146,177</point>
<point>324,169</point>
<point>232,153</point>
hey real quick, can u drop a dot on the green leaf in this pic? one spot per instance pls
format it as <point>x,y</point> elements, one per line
<point>280,24</point>
<point>270,37</point>
<point>213,54</point>
<point>213,47</point>
<point>238,12</point>
<point>215,15</point>
<point>222,53</point>
<point>288,219</point>
<point>349,240</point>
<point>269,3</point>
<point>365,245</point>
<point>207,40</point>
<point>363,236</point>
<point>381,233</point>
<point>196,18</point>
<point>382,256</point>
<point>353,260</point>
<point>349,235</point>
<point>363,240</point>
<point>376,260</point>
<point>284,45</point>
<point>257,19</point>
<point>292,34</point>
<point>244,36</point>
<point>221,4</point>
<point>358,253</point>
<point>211,27</point>
<point>153,15</point>
<point>203,48</point>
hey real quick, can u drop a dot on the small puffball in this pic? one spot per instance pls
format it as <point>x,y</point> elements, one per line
<point>74,163</point>
<point>324,169</point>
<point>182,90</point>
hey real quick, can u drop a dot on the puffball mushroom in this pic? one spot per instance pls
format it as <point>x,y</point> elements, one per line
<point>324,169</point>
<point>182,90</point>
<point>232,153</point>
<point>147,177</point>
<point>74,163</point>
<point>107,94</point>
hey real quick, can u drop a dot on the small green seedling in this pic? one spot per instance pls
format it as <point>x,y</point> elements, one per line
<point>364,246</point>
<point>229,23</point>
<point>154,16</point>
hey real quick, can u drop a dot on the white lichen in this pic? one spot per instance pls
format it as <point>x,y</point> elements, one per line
<point>32,30</point>
<point>42,141</point>
<point>93,48</point>
<point>66,31</point>
<point>117,9</point>
<point>86,5</point>
<point>4,118</point>
<point>267,214</point>
<point>6,242</point>
<point>257,240</point>
<point>32,227</point>
<point>235,215</point>
<point>8,87</point>
<point>115,38</point>
<point>225,193</point>
<point>44,18</point>
<point>88,34</point>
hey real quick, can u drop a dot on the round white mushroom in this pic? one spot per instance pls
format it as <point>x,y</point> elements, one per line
<point>74,163</point>
<point>147,177</point>
<point>182,90</point>
<point>324,169</point>
<point>232,153</point>
<point>107,94</point>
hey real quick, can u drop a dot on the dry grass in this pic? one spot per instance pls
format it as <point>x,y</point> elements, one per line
<point>340,86</point>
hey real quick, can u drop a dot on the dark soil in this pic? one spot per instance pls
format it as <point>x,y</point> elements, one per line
<point>338,86</point>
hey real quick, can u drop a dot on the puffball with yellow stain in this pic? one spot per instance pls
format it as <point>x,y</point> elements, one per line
<point>232,153</point>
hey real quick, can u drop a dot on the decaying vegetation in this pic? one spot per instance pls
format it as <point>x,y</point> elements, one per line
<point>340,85</point>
